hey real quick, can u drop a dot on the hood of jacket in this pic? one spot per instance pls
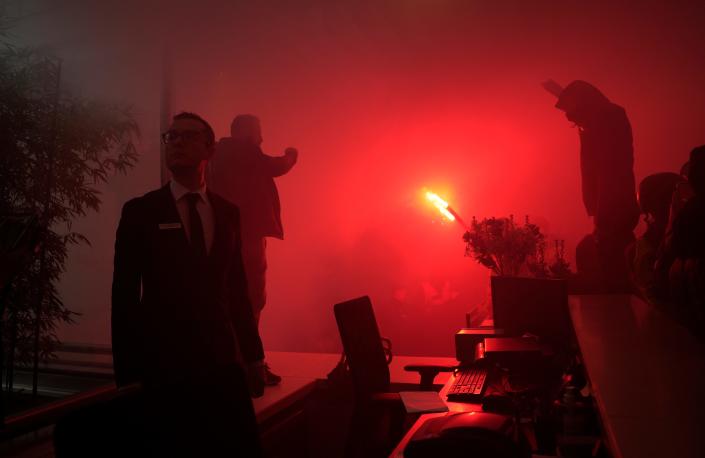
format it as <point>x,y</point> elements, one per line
<point>582,100</point>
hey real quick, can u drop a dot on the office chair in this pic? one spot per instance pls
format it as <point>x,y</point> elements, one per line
<point>375,404</point>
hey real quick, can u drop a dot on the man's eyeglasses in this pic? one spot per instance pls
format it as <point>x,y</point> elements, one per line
<point>171,136</point>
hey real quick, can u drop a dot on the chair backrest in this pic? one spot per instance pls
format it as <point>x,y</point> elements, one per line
<point>363,346</point>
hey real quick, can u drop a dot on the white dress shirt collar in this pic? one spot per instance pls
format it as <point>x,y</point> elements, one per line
<point>179,191</point>
<point>203,206</point>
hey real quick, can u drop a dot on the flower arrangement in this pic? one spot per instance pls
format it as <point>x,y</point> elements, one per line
<point>510,249</point>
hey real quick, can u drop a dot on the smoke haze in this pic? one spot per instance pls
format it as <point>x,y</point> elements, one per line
<point>381,99</point>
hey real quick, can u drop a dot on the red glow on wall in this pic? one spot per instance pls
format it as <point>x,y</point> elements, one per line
<point>381,98</point>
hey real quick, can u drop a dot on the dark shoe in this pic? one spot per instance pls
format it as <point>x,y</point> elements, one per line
<point>270,378</point>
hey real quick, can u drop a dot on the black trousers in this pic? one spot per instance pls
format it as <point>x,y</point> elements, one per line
<point>210,414</point>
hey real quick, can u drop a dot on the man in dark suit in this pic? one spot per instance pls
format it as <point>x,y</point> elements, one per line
<point>182,323</point>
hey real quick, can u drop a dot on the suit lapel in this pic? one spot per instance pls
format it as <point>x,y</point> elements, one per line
<point>222,232</point>
<point>167,214</point>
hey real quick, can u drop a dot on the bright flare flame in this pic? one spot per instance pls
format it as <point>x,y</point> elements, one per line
<point>440,204</point>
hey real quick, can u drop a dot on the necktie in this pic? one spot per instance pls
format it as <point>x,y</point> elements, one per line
<point>198,240</point>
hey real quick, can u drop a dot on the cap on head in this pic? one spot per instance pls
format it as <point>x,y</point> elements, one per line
<point>580,95</point>
<point>655,192</point>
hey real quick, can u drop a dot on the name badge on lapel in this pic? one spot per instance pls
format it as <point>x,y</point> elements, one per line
<point>169,226</point>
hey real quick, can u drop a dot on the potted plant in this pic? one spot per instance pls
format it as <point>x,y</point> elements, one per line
<point>515,255</point>
<point>57,149</point>
<point>504,247</point>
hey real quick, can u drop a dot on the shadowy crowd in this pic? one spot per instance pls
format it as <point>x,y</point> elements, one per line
<point>665,265</point>
<point>667,262</point>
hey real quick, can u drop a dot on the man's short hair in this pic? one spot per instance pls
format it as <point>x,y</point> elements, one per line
<point>243,124</point>
<point>210,135</point>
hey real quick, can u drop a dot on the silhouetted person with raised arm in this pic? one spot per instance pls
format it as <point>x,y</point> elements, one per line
<point>243,174</point>
<point>607,173</point>
<point>182,323</point>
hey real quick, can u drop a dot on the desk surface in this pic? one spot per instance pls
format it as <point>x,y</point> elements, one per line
<point>318,365</point>
<point>301,371</point>
<point>398,451</point>
<point>647,374</point>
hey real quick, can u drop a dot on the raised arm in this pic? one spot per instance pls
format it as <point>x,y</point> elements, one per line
<point>279,165</point>
<point>127,279</point>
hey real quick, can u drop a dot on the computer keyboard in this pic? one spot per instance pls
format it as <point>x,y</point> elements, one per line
<point>468,385</point>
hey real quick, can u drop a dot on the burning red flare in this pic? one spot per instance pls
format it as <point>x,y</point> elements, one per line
<point>444,208</point>
<point>440,204</point>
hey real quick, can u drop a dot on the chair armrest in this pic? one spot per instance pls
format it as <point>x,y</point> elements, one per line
<point>428,373</point>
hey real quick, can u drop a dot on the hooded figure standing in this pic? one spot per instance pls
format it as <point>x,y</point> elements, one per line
<point>244,175</point>
<point>608,187</point>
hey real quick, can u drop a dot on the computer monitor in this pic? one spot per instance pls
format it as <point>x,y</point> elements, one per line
<point>532,305</point>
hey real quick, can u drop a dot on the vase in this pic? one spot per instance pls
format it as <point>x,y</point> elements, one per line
<point>537,306</point>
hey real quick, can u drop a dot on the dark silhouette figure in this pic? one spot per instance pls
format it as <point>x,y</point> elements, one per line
<point>684,251</point>
<point>689,224</point>
<point>681,195</point>
<point>606,165</point>
<point>181,318</point>
<point>655,198</point>
<point>244,175</point>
